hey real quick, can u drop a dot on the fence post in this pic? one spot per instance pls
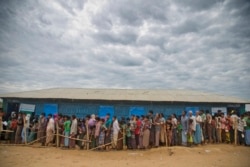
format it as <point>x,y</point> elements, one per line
<point>57,132</point>
<point>87,129</point>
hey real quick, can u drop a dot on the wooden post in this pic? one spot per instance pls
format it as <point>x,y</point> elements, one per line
<point>235,130</point>
<point>124,136</point>
<point>87,129</point>
<point>57,132</point>
<point>25,129</point>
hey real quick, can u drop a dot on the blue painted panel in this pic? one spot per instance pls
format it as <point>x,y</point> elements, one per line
<point>137,111</point>
<point>50,109</point>
<point>104,110</point>
<point>122,110</point>
<point>193,109</point>
<point>78,109</point>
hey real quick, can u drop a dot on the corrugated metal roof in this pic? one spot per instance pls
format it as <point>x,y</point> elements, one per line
<point>125,94</point>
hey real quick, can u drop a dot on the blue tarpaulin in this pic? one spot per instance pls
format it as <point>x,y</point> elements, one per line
<point>50,109</point>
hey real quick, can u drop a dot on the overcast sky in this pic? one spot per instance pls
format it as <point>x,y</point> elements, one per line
<point>152,44</point>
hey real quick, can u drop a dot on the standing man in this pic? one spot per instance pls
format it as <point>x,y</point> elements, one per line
<point>73,132</point>
<point>137,131</point>
<point>209,126</point>
<point>42,124</point>
<point>233,119</point>
<point>1,122</point>
<point>152,128</point>
<point>203,126</point>
<point>107,125</point>
<point>50,129</point>
<point>184,123</point>
<point>66,127</point>
<point>247,128</point>
<point>116,130</point>
<point>26,124</point>
<point>241,131</point>
<point>59,126</point>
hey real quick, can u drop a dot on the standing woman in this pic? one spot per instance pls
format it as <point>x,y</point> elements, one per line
<point>19,129</point>
<point>223,125</point>
<point>184,123</point>
<point>132,128</point>
<point>42,124</point>
<point>163,129</point>
<point>157,123</point>
<point>146,133</point>
<point>198,134</point>
<point>174,129</point>
<point>169,131</point>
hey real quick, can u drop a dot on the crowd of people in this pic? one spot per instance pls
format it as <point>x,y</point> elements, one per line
<point>137,132</point>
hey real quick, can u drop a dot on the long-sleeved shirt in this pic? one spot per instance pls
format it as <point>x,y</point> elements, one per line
<point>193,126</point>
<point>223,122</point>
<point>97,129</point>
<point>242,124</point>
<point>184,122</point>
<point>116,127</point>
<point>51,125</point>
<point>73,128</point>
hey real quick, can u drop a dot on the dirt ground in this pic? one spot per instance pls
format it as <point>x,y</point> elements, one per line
<point>208,155</point>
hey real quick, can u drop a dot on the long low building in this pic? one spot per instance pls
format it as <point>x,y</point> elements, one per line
<point>119,102</point>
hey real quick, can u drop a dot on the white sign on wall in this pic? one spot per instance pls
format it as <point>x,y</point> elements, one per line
<point>247,107</point>
<point>27,108</point>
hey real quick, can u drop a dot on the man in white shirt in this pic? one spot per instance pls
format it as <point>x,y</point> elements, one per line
<point>116,130</point>
<point>73,132</point>
<point>26,124</point>
<point>233,124</point>
<point>50,130</point>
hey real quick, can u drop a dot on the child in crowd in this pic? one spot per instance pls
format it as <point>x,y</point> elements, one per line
<point>190,133</point>
<point>227,129</point>
<point>179,131</point>
<point>213,127</point>
<point>169,132</point>
<point>128,136</point>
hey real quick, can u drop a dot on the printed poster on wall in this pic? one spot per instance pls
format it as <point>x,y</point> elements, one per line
<point>27,108</point>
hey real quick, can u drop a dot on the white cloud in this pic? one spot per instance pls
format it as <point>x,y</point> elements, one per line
<point>190,44</point>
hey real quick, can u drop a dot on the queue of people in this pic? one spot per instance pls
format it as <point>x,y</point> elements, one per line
<point>137,132</point>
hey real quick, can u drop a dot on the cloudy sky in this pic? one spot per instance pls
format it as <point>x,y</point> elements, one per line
<point>153,44</point>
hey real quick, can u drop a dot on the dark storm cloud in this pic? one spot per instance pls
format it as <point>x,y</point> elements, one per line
<point>198,5</point>
<point>165,44</point>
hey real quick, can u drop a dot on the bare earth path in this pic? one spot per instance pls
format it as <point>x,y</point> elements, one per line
<point>209,155</point>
